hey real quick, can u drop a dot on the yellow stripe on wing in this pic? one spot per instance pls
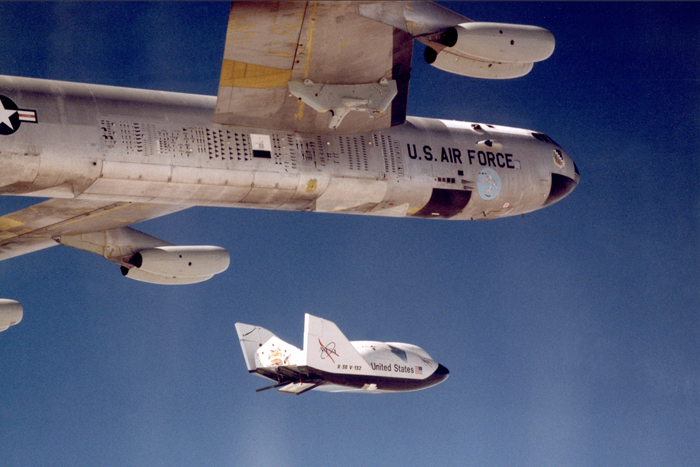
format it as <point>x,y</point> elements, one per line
<point>300,111</point>
<point>245,75</point>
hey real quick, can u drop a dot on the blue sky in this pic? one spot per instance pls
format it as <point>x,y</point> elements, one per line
<point>572,335</point>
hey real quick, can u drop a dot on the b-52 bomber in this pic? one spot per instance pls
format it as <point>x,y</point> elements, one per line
<point>310,116</point>
<point>330,362</point>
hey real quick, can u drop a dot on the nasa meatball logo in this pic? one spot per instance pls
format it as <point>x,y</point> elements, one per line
<point>12,116</point>
<point>328,350</point>
<point>488,183</point>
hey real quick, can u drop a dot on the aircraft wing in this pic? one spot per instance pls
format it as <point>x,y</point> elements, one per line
<point>269,44</point>
<point>318,67</point>
<point>35,227</point>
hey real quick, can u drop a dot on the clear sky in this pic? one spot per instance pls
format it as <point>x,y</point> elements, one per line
<point>572,335</point>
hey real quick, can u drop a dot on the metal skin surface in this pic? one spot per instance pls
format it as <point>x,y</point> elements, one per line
<point>125,145</point>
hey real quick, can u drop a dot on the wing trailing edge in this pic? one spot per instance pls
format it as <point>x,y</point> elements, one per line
<point>327,44</point>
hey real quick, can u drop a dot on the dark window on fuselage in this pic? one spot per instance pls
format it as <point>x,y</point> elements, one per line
<point>399,353</point>
<point>544,138</point>
<point>263,154</point>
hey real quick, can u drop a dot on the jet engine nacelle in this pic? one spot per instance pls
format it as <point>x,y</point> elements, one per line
<point>498,42</point>
<point>177,264</point>
<point>491,50</point>
<point>11,313</point>
<point>464,66</point>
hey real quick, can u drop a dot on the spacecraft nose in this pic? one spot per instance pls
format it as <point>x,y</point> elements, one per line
<point>441,373</point>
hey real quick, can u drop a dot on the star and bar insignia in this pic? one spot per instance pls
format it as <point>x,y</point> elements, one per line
<point>12,116</point>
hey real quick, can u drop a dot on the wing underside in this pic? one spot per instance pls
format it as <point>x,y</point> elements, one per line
<point>290,379</point>
<point>35,227</point>
<point>269,44</point>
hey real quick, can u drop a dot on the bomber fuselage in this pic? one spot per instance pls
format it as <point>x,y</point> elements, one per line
<point>68,140</point>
